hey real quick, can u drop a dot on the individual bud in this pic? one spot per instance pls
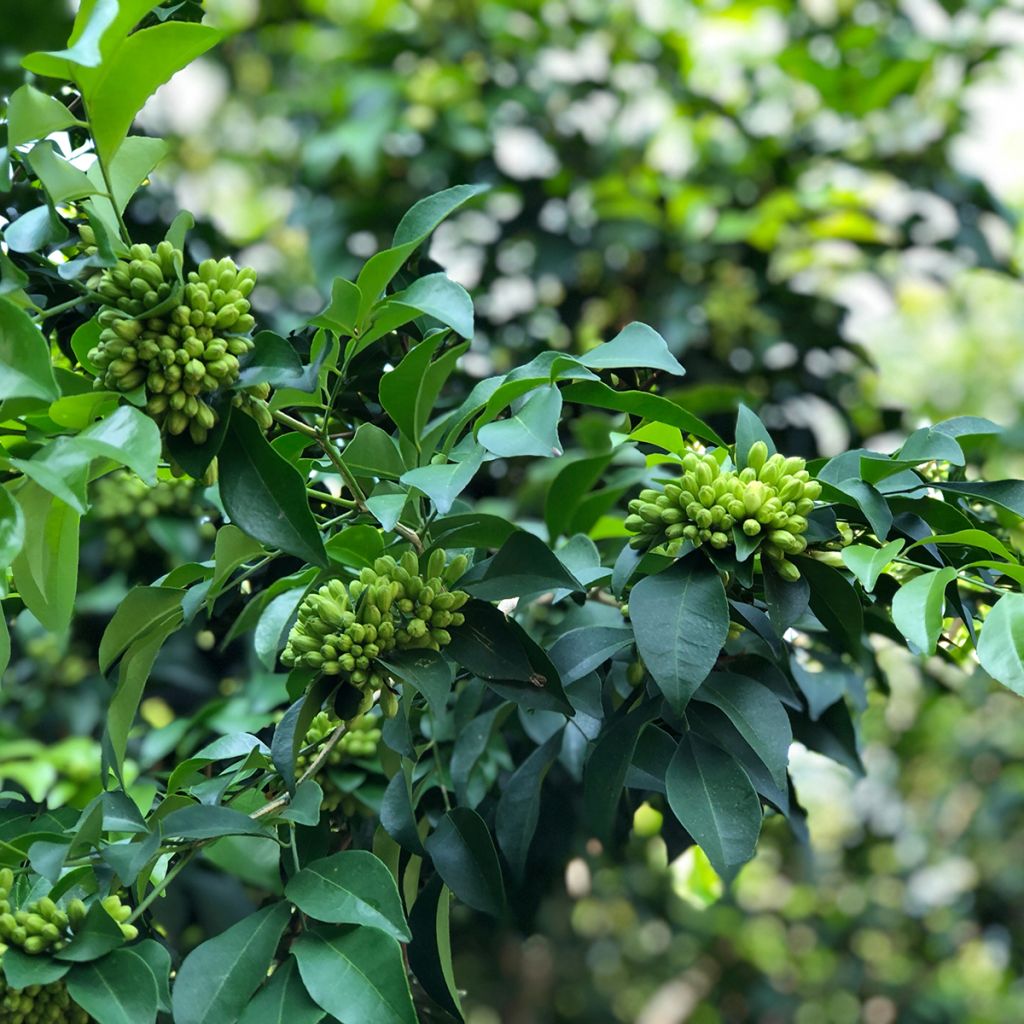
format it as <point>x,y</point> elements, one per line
<point>757,455</point>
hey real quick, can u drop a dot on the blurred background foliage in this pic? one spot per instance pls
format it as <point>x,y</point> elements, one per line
<point>818,204</point>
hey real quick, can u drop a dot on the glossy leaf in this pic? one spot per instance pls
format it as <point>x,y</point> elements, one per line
<point>283,1000</point>
<point>217,978</point>
<point>680,618</point>
<point>463,853</point>
<point>352,887</point>
<point>917,608</point>
<point>118,989</point>
<point>713,799</point>
<point>356,974</point>
<point>1001,646</point>
<point>25,370</point>
<point>265,496</point>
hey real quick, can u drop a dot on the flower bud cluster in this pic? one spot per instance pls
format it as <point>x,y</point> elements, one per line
<point>769,499</point>
<point>124,504</point>
<point>39,1004</point>
<point>182,342</point>
<point>360,740</point>
<point>343,628</point>
<point>41,926</point>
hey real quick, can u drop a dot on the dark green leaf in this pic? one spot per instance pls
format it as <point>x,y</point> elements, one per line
<point>681,620</point>
<point>464,855</point>
<point>283,1000</point>
<point>352,887</point>
<point>265,495</point>
<point>640,403</point>
<point>519,805</point>
<point>715,802</point>
<point>426,671</point>
<point>217,979</point>
<point>757,715</point>
<point>430,953</point>
<point>203,821</point>
<point>523,565</point>
<point>119,989</point>
<point>356,974</point>
<point>834,602</point>
<point>606,768</point>
<point>488,646</point>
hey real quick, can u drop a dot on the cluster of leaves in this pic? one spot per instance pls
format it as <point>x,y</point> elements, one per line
<point>713,170</point>
<point>532,709</point>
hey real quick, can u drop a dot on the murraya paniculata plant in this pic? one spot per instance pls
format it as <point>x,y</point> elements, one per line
<point>452,702</point>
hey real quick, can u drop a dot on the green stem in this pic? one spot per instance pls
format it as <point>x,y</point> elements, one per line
<point>126,237</point>
<point>155,892</point>
<point>330,499</point>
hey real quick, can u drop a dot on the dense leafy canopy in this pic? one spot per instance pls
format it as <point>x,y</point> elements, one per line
<point>437,703</point>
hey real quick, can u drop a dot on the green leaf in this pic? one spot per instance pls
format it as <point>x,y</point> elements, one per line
<point>133,672</point>
<point>408,392</point>
<point>758,716</point>
<point>46,568</point>
<point>352,887</point>
<point>567,490</point>
<point>34,231</point>
<point>639,403</point>
<point>62,180</point>
<point>130,167</point>
<point>412,230</point>
<point>22,970</point>
<point>519,806</point>
<point>426,670</point>
<point>265,495</point>
<point>421,218</point>
<point>360,545</point>
<point>867,562</point>
<point>372,452</point>
<point>438,296</point>
<point>231,549</point>
<point>118,989</point>
<point>158,960</point>
<point>271,628</point>
<point>356,974</point>
<point>835,603</point>
<point>128,437</point>
<point>204,821</point>
<point>713,799</point>
<point>635,345</point>
<point>430,952</point>
<point>12,528</point>
<point>272,361</point>
<point>929,444</point>
<point>217,979</point>
<point>531,430</point>
<point>917,608</point>
<point>142,610</point>
<point>580,651</point>
<point>605,771</point>
<point>397,816</point>
<point>750,429</point>
<point>971,539</point>
<point>443,484</point>
<point>25,370</point>
<point>1001,645</point>
<point>488,646</point>
<point>32,115</point>
<point>95,938</point>
<point>464,855</point>
<point>283,1000</point>
<point>1006,494</point>
<point>681,620</point>
<point>523,565</point>
<point>131,71</point>
<point>341,314</point>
